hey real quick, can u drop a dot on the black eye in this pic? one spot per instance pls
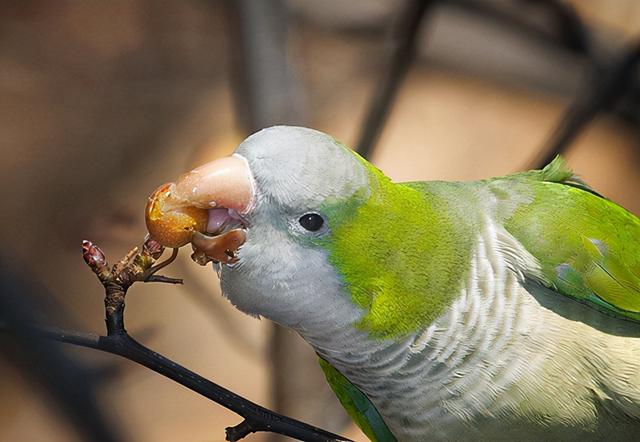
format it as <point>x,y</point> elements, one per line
<point>311,221</point>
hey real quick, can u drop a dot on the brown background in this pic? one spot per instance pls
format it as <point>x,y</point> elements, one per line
<point>102,101</point>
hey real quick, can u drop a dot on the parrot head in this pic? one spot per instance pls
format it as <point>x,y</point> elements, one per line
<point>282,270</point>
<point>283,189</point>
<point>305,232</point>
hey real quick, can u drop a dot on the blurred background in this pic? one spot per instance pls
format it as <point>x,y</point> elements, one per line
<point>102,101</point>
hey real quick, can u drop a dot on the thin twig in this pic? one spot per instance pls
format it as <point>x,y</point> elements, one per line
<point>241,430</point>
<point>138,266</point>
<point>165,279</point>
<point>152,270</point>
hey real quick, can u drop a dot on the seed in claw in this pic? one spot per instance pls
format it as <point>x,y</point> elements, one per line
<point>171,224</point>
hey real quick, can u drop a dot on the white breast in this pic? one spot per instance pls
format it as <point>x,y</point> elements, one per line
<point>498,363</point>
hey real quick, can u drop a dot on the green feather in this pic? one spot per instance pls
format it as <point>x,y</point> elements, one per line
<point>357,405</point>
<point>401,251</point>
<point>558,171</point>
<point>588,246</point>
<point>422,234</point>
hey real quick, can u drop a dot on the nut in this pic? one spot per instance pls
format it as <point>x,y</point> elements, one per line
<point>170,223</point>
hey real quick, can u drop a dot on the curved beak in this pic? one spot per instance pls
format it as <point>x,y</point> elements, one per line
<point>219,193</point>
<point>225,182</point>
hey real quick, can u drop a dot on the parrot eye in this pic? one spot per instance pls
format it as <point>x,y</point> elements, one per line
<point>311,221</point>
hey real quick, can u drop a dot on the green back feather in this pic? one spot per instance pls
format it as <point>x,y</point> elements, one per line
<point>588,246</point>
<point>558,171</point>
<point>357,405</point>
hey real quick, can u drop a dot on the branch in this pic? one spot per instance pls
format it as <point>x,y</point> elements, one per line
<point>139,266</point>
<point>401,59</point>
<point>604,86</point>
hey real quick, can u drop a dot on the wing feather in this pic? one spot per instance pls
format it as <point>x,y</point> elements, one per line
<point>588,247</point>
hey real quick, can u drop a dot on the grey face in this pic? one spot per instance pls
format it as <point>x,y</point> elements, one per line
<point>280,274</point>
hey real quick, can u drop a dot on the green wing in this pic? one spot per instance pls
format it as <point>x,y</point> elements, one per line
<point>588,246</point>
<point>359,407</point>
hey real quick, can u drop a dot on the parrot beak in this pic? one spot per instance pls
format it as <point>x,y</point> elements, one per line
<point>225,182</point>
<point>216,195</point>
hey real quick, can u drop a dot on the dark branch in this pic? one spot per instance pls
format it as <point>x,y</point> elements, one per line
<point>81,339</point>
<point>570,32</point>
<point>139,266</point>
<point>241,430</point>
<point>409,27</point>
<point>257,418</point>
<point>68,383</point>
<point>602,89</point>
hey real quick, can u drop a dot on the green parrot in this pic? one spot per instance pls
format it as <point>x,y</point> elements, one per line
<point>499,309</point>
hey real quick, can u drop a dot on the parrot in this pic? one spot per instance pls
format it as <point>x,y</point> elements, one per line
<point>499,309</point>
